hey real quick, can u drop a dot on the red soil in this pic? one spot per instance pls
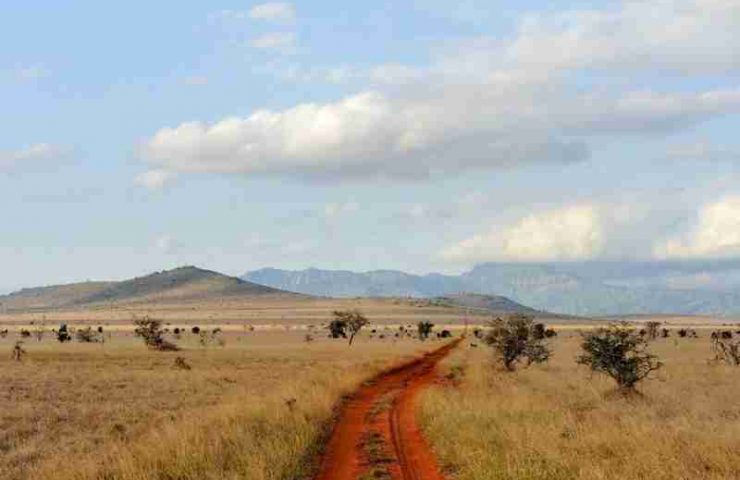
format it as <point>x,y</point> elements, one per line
<point>376,434</point>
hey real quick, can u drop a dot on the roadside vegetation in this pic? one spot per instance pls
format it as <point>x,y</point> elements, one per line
<point>565,420</point>
<point>255,407</point>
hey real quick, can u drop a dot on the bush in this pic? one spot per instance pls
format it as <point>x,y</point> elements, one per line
<point>618,352</point>
<point>424,329</point>
<point>153,334</point>
<point>652,330</point>
<point>514,340</point>
<point>726,349</point>
<point>63,334</point>
<point>86,335</point>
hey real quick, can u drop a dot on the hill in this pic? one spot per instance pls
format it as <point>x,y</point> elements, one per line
<point>185,284</point>
<point>698,287</point>
<point>494,304</point>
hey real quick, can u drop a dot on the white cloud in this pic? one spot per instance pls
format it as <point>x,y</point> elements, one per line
<point>569,233</point>
<point>280,41</point>
<point>273,12</point>
<point>716,233</point>
<point>31,154</point>
<point>370,133</point>
<point>154,179</point>
<point>482,104</point>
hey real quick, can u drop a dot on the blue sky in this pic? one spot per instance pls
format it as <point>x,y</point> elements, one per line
<point>233,135</point>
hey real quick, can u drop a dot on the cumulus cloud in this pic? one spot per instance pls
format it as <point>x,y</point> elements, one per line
<point>31,154</point>
<point>715,234</point>
<point>373,134</point>
<point>273,12</point>
<point>154,179</point>
<point>496,103</point>
<point>280,41</point>
<point>569,233</point>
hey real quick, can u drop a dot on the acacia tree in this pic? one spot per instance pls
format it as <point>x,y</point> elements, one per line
<point>353,321</point>
<point>517,339</point>
<point>153,334</point>
<point>619,352</point>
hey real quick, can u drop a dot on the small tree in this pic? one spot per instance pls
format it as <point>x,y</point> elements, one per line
<point>424,329</point>
<point>63,333</point>
<point>514,340</point>
<point>353,321</point>
<point>619,352</point>
<point>153,334</point>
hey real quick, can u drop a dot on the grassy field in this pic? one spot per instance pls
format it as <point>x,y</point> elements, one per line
<point>236,313</point>
<point>557,421</point>
<point>119,411</point>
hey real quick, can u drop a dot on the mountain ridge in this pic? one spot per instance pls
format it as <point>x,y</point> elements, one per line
<point>571,288</point>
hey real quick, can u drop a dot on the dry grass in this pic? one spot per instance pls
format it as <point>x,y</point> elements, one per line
<point>260,310</point>
<point>119,411</point>
<point>559,422</point>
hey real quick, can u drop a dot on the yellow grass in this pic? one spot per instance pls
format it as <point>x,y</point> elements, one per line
<point>559,422</point>
<point>119,411</point>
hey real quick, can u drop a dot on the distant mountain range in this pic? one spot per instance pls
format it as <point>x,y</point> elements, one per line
<point>183,284</point>
<point>709,287</point>
<point>187,285</point>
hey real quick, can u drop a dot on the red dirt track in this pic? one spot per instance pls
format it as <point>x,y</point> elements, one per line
<point>376,435</point>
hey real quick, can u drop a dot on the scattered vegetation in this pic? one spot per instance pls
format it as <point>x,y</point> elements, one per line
<point>515,339</point>
<point>619,352</point>
<point>556,424</point>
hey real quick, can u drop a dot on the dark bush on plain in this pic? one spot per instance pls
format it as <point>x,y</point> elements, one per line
<point>513,339</point>
<point>619,352</point>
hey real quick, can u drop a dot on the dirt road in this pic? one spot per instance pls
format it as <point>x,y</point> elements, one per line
<point>376,435</point>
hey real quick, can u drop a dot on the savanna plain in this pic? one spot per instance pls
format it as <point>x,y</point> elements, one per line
<point>258,399</point>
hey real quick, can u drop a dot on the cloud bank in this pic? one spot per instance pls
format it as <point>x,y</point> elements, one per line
<point>485,103</point>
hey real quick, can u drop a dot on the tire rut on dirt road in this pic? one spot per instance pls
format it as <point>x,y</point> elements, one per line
<point>376,435</point>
